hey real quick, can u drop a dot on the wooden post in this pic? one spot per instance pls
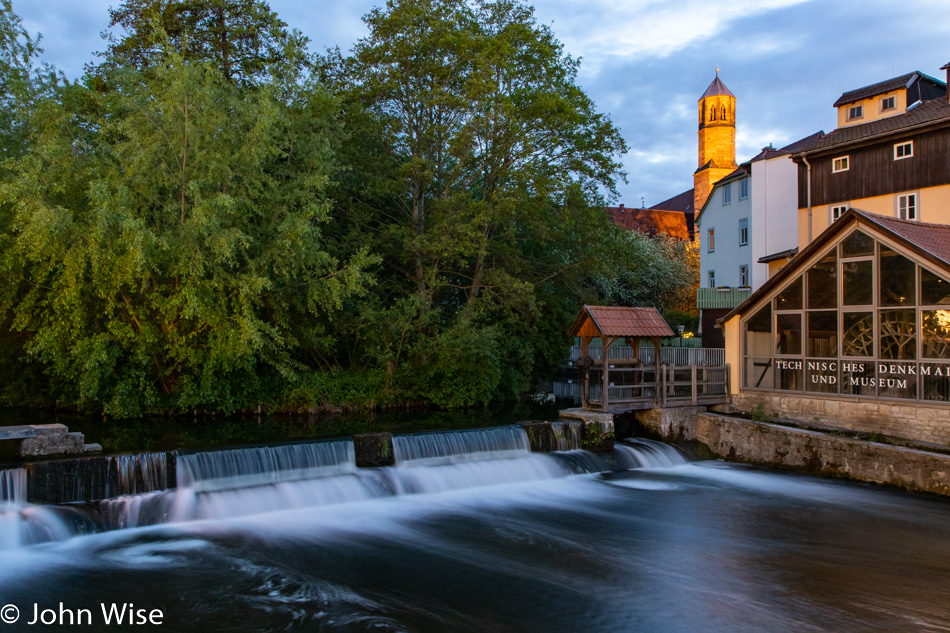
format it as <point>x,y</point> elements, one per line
<point>657,373</point>
<point>585,372</point>
<point>693,381</point>
<point>604,403</point>
<point>661,387</point>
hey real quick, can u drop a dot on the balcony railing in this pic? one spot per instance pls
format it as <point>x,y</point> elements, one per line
<point>721,298</point>
<point>674,356</point>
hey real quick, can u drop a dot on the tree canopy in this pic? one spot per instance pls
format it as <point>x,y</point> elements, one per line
<point>213,219</point>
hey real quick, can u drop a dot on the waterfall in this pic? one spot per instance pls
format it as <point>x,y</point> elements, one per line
<point>452,447</point>
<point>23,524</point>
<point>567,434</point>
<point>13,486</point>
<point>261,465</point>
<point>641,453</point>
<point>139,473</point>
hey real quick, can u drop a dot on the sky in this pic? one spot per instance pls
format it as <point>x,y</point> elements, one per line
<point>646,62</point>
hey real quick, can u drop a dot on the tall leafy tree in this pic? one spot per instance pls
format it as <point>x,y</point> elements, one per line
<point>476,172</point>
<point>244,39</point>
<point>170,234</point>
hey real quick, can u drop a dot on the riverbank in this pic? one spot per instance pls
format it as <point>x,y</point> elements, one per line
<point>837,453</point>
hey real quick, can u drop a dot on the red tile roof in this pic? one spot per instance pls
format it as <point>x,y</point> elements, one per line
<point>932,238</point>
<point>618,321</point>
<point>651,222</point>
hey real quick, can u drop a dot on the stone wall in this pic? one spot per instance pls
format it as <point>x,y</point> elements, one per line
<point>673,424</point>
<point>911,420</point>
<point>817,453</point>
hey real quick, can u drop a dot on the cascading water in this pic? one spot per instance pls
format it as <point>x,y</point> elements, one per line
<point>427,449</point>
<point>222,484</point>
<point>20,523</point>
<point>567,434</point>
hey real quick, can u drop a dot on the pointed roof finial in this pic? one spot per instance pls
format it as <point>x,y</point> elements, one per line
<point>717,71</point>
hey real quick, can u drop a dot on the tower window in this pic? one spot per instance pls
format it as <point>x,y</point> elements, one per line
<point>855,112</point>
<point>888,103</point>
<point>903,150</point>
<point>840,164</point>
<point>907,206</point>
<point>712,113</point>
<point>727,194</point>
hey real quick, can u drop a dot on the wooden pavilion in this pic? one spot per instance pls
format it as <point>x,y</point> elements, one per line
<point>610,324</point>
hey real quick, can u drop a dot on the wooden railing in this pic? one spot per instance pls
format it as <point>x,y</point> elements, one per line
<point>682,356</point>
<point>637,387</point>
<point>722,299</point>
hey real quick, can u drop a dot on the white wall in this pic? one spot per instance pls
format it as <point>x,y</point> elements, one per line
<point>729,255</point>
<point>775,209</point>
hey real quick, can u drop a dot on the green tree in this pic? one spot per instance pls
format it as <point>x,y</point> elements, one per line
<point>244,39</point>
<point>166,246</point>
<point>476,172</point>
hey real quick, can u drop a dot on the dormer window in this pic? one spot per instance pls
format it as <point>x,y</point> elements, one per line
<point>903,150</point>
<point>888,103</point>
<point>840,164</point>
<point>855,112</point>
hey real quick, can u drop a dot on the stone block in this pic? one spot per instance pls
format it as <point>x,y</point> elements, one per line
<point>374,450</point>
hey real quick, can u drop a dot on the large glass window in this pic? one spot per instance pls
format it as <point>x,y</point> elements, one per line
<point>874,323</point>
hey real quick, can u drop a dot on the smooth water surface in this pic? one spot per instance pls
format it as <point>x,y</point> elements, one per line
<point>528,543</point>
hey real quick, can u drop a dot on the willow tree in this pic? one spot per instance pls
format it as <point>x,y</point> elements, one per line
<point>168,233</point>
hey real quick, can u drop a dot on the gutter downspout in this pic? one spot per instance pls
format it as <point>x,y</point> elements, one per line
<point>808,193</point>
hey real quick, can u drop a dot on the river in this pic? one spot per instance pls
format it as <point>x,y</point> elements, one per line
<point>491,539</point>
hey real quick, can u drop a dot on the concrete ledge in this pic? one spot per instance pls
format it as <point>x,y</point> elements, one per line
<point>817,453</point>
<point>17,432</point>
<point>597,432</point>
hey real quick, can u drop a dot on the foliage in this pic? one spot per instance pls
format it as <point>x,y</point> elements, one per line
<point>243,39</point>
<point>168,238</point>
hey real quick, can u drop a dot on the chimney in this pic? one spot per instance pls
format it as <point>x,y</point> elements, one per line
<point>946,67</point>
<point>621,208</point>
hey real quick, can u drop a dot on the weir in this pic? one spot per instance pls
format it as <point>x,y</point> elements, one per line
<point>221,484</point>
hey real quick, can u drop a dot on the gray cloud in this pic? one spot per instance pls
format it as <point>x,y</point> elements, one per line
<point>647,61</point>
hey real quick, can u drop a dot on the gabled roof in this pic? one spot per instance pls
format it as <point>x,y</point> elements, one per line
<point>716,88</point>
<point>930,241</point>
<point>618,321</point>
<point>881,87</point>
<point>680,202</point>
<point>651,222</point>
<point>934,111</point>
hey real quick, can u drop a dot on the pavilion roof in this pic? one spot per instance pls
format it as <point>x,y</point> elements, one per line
<point>618,321</point>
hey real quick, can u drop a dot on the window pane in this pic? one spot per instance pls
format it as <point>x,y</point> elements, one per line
<point>897,380</point>
<point>791,297</point>
<point>758,373</point>
<point>856,282</point>
<point>758,332</point>
<point>857,243</point>
<point>788,374</point>
<point>857,334</point>
<point>936,379</point>
<point>933,289</point>
<point>788,334</point>
<point>823,284</point>
<point>823,334</point>
<point>821,376</point>
<point>935,333</point>
<point>896,279</point>
<point>857,379</point>
<point>898,334</point>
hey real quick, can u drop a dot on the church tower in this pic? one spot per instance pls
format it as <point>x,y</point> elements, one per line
<point>717,140</point>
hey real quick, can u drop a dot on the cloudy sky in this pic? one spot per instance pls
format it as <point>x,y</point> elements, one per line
<point>646,62</point>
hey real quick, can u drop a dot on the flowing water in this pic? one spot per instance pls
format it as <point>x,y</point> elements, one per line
<point>474,533</point>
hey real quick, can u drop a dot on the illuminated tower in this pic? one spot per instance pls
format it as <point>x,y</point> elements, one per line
<point>717,140</point>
